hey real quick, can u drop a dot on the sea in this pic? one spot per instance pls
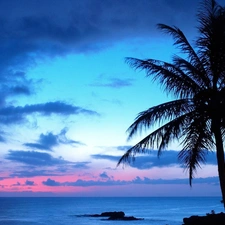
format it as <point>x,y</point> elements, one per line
<point>75,210</point>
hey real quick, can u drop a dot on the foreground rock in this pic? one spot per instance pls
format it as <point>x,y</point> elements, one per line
<point>209,219</point>
<point>115,216</point>
<point>109,214</point>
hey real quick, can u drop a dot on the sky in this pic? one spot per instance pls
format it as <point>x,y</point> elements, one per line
<point>67,97</point>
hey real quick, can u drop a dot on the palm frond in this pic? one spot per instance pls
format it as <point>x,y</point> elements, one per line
<point>191,71</point>
<point>172,78</point>
<point>182,42</point>
<point>160,138</point>
<point>211,41</point>
<point>196,144</point>
<point>192,159</point>
<point>159,114</point>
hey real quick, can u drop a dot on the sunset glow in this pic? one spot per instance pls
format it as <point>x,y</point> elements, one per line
<point>68,97</point>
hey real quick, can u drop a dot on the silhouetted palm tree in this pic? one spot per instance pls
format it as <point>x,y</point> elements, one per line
<point>197,117</point>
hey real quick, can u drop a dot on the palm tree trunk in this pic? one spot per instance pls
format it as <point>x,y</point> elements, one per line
<point>220,160</point>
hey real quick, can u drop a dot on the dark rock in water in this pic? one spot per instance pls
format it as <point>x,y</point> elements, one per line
<point>128,218</point>
<point>114,216</point>
<point>109,214</point>
<point>209,219</point>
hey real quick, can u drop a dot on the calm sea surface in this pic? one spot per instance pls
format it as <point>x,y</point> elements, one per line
<point>67,211</point>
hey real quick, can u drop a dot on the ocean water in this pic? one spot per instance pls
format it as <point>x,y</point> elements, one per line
<point>67,211</point>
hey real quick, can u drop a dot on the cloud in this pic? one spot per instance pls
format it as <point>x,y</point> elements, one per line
<point>64,140</point>
<point>114,83</point>
<point>49,140</point>
<point>107,157</point>
<point>146,180</point>
<point>103,179</point>
<point>27,194</point>
<point>29,183</point>
<point>14,83</point>
<point>33,31</point>
<point>50,182</point>
<point>26,183</point>
<point>38,146</point>
<point>15,185</point>
<point>81,165</point>
<point>136,180</point>
<point>167,159</point>
<point>34,158</point>
<point>2,138</point>
<point>30,33</point>
<point>104,175</point>
<point>36,164</point>
<point>83,183</point>
<point>31,172</point>
<point>12,114</point>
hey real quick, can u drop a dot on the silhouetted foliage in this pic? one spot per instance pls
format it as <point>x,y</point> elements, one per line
<point>197,117</point>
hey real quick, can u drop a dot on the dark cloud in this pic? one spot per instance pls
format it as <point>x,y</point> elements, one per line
<point>26,183</point>
<point>50,182</point>
<point>20,89</point>
<point>32,31</point>
<point>31,172</point>
<point>81,165</point>
<point>2,138</point>
<point>17,184</point>
<point>104,175</point>
<point>49,140</point>
<point>136,180</point>
<point>37,146</point>
<point>36,164</point>
<point>29,183</point>
<point>14,83</point>
<point>167,159</point>
<point>35,29</point>
<point>84,183</point>
<point>114,83</point>
<point>64,140</point>
<point>12,114</point>
<point>146,180</point>
<point>103,179</point>
<point>148,161</point>
<point>34,158</point>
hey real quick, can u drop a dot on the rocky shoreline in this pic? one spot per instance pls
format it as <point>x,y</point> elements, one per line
<point>209,219</point>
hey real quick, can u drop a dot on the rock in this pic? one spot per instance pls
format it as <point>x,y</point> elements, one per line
<point>209,219</point>
<point>124,218</point>
<point>114,216</point>
<point>109,214</point>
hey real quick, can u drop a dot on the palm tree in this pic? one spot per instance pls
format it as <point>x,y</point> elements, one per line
<point>196,117</point>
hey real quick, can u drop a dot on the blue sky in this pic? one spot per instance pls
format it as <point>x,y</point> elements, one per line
<point>67,98</point>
